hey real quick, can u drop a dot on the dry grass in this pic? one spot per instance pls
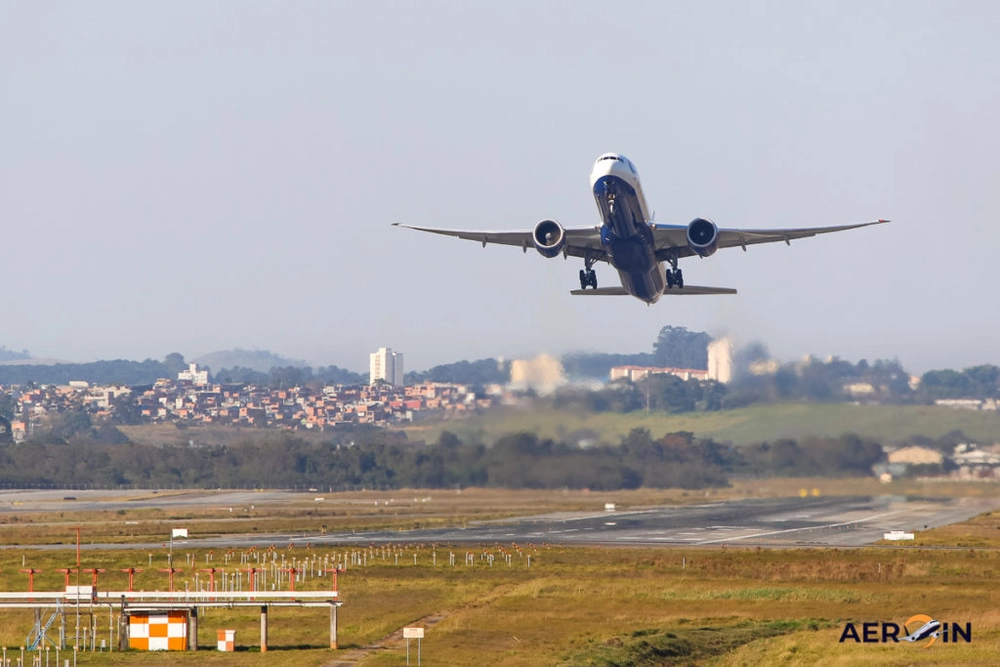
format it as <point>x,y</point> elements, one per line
<point>577,606</point>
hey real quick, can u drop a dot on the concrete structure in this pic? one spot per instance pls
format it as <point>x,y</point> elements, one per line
<point>896,535</point>
<point>859,389</point>
<point>968,403</point>
<point>636,373</point>
<point>541,374</point>
<point>155,620</point>
<point>387,366</point>
<point>916,456</point>
<point>720,360</point>
<point>193,375</point>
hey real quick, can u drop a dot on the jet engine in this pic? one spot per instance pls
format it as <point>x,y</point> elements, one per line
<point>703,237</point>
<point>549,238</point>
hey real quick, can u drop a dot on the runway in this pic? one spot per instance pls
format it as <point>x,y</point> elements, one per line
<point>775,522</point>
<point>834,521</point>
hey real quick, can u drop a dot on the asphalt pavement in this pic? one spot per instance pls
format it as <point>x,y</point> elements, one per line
<point>831,521</point>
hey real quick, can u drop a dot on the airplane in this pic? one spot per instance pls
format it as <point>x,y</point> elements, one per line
<point>630,241</point>
<point>928,629</point>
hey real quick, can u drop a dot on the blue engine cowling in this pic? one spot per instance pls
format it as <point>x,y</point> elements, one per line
<point>703,237</point>
<point>549,238</point>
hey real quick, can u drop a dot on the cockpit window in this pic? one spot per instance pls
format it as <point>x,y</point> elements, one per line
<point>610,157</point>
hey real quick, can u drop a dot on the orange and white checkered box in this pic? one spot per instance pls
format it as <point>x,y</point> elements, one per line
<point>226,640</point>
<point>158,631</point>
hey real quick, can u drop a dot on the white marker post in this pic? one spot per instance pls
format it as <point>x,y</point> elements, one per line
<point>176,532</point>
<point>413,633</point>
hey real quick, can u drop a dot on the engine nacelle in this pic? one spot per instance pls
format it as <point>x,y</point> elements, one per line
<point>549,238</point>
<point>703,237</point>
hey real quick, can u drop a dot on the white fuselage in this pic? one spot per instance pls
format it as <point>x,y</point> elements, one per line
<point>626,233</point>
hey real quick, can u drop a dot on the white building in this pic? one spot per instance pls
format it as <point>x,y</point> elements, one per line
<point>193,375</point>
<point>387,366</point>
<point>636,373</point>
<point>720,360</point>
<point>542,374</point>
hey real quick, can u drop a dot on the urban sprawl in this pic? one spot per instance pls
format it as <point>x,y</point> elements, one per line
<point>193,399</point>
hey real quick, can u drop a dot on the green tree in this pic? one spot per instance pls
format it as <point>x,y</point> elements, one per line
<point>7,406</point>
<point>676,347</point>
<point>984,380</point>
<point>946,384</point>
<point>73,422</point>
<point>174,364</point>
<point>125,410</point>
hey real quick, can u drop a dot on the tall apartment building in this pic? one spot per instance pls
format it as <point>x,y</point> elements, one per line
<point>720,360</point>
<point>386,365</point>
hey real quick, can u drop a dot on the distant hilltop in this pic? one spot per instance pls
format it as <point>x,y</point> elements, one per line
<point>261,361</point>
<point>12,357</point>
<point>31,362</point>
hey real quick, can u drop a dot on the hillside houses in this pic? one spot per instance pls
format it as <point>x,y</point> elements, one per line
<point>307,407</point>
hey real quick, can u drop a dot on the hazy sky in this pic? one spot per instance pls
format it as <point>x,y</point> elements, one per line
<point>190,176</point>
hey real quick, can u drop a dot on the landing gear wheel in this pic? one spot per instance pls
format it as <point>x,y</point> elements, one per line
<point>679,279</point>
<point>584,279</point>
<point>592,278</point>
<point>670,279</point>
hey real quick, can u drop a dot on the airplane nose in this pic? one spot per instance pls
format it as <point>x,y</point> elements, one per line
<point>601,168</point>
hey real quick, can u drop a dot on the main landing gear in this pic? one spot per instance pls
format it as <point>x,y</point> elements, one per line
<point>588,277</point>
<point>674,276</point>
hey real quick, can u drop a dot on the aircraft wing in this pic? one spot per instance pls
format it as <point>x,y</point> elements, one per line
<point>579,241</point>
<point>672,239</point>
<point>690,290</point>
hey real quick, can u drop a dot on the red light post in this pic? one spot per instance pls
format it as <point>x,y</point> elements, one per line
<point>31,580</point>
<point>131,576</point>
<point>170,572</point>
<point>291,577</point>
<point>211,578</point>
<point>67,571</point>
<point>252,571</point>
<point>334,571</point>
<point>94,571</point>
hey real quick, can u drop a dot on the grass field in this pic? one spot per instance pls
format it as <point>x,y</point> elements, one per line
<point>572,606</point>
<point>588,606</point>
<point>746,425</point>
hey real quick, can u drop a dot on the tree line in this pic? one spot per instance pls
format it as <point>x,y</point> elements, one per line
<point>80,454</point>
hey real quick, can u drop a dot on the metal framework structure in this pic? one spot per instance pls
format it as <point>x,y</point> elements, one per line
<point>127,602</point>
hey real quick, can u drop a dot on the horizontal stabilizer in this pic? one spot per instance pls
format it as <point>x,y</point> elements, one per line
<point>689,290</point>
<point>696,290</point>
